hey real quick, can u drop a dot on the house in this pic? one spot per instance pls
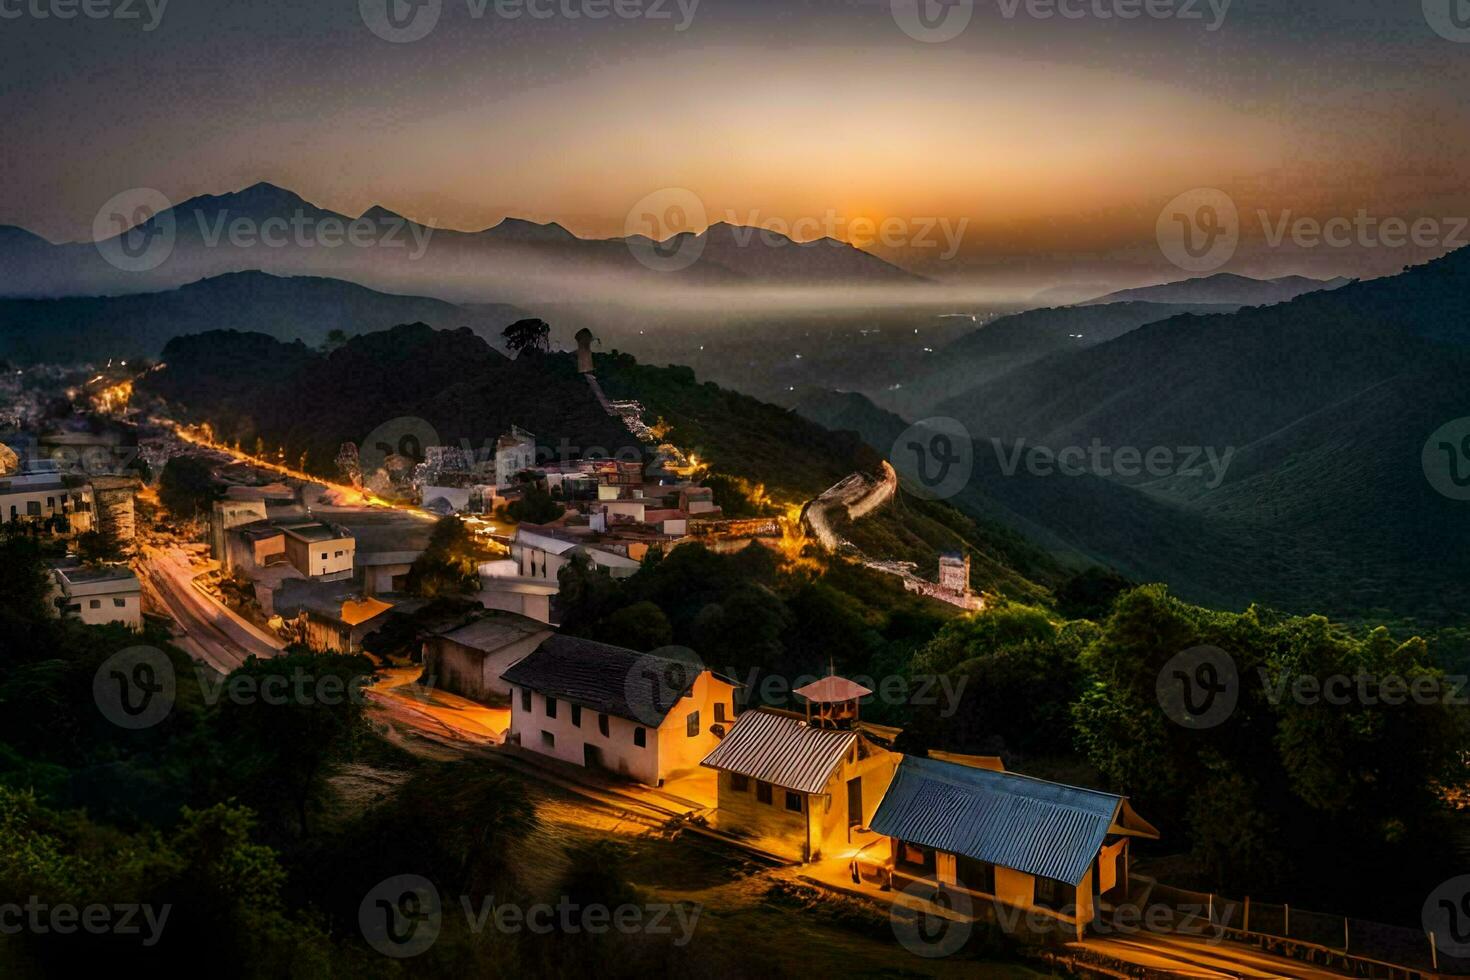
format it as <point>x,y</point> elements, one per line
<point>42,494</point>
<point>642,716</point>
<point>1002,837</point>
<point>543,552</point>
<point>515,451</point>
<point>329,617</point>
<point>802,786</point>
<point>98,594</point>
<point>469,659</point>
<point>318,549</point>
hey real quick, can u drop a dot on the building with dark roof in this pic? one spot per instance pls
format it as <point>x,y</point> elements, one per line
<point>795,788</point>
<point>640,715</point>
<point>1003,837</point>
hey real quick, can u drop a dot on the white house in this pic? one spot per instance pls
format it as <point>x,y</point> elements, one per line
<point>542,553</point>
<point>98,594</point>
<point>42,492</point>
<point>640,715</point>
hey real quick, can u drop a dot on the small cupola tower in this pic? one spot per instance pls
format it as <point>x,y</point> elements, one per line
<point>832,702</point>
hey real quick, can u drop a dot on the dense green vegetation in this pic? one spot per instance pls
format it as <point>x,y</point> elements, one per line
<point>755,616</point>
<point>1267,802</point>
<point>792,458</point>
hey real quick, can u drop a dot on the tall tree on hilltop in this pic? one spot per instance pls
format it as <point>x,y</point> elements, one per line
<point>528,335</point>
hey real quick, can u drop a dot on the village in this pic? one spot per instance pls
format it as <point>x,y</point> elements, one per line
<point>285,560</point>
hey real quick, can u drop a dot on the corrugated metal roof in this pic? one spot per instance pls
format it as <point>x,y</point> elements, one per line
<point>781,750</point>
<point>1047,829</point>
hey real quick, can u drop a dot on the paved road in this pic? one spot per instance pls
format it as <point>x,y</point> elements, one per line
<point>211,633</point>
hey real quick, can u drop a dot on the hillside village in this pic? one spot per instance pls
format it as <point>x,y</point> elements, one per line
<point>288,561</point>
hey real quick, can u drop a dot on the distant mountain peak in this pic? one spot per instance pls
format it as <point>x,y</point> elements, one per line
<point>260,198</point>
<point>523,230</point>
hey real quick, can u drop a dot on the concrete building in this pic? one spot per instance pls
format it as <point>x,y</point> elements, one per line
<point>98,594</point>
<point>319,550</point>
<point>1002,837</point>
<point>637,715</point>
<point>470,659</point>
<point>230,513</point>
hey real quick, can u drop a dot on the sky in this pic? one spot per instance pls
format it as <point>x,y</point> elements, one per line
<point>1053,137</point>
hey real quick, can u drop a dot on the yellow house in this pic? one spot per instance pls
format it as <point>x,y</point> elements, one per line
<point>795,788</point>
<point>1023,843</point>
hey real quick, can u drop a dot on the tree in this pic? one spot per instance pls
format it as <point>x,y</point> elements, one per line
<point>336,337</point>
<point>186,486</point>
<point>286,719</point>
<point>449,565</point>
<point>528,335</point>
<point>641,626</point>
<point>535,507</point>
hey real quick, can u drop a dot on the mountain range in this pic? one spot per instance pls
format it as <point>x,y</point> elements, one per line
<point>139,325</point>
<point>1223,288</point>
<point>268,228</point>
<point>1323,405</point>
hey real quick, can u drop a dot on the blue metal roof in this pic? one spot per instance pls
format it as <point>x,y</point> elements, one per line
<point>1015,821</point>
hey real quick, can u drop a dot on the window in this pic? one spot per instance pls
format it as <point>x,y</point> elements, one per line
<point>50,503</point>
<point>525,699</point>
<point>721,714</point>
<point>94,603</point>
<point>740,784</point>
<point>978,876</point>
<point>692,724</point>
<point>337,554</point>
<point>640,737</point>
<point>550,706</point>
<point>762,791</point>
<point>33,508</point>
<point>1054,894</point>
<point>793,801</point>
<point>120,603</point>
<point>548,740</point>
<point>576,716</point>
<point>324,556</point>
<point>602,724</point>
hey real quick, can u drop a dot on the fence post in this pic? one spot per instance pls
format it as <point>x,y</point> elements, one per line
<point>1433,952</point>
<point>1211,908</point>
<point>1287,931</point>
<point>1344,934</point>
<point>1247,925</point>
